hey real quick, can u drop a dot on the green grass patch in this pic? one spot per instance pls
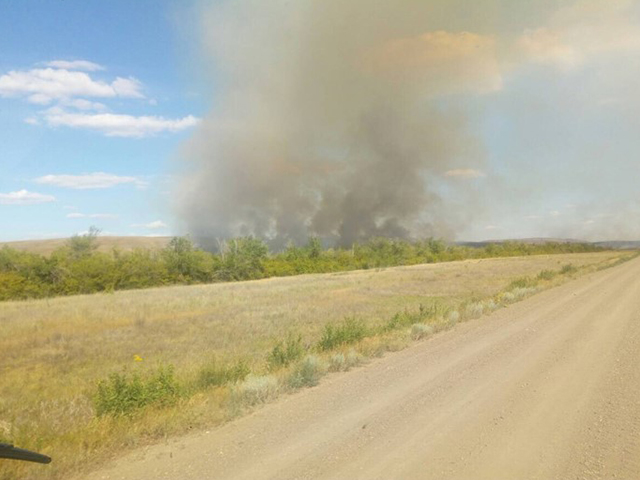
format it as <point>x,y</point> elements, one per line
<point>286,352</point>
<point>123,393</point>
<point>547,275</point>
<point>351,330</point>
<point>522,282</point>
<point>216,374</point>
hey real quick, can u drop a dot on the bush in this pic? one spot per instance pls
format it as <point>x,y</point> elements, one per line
<point>399,320</point>
<point>285,353</point>
<point>453,317</point>
<point>350,331</point>
<point>568,269</point>
<point>489,305</point>
<point>435,310</point>
<point>507,297</point>
<point>337,362</point>
<point>420,330</point>
<point>406,318</point>
<point>474,310</point>
<point>215,374</point>
<point>307,373</point>
<point>256,390</point>
<point>546,275</point>
<point>122,394</point>
<point>523,282</point>
<point>352,359</point>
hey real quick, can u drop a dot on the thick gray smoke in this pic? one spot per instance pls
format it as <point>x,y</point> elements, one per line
<point>334,118</point>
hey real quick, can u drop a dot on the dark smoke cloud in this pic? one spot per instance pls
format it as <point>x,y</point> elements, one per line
<point>335,119</point>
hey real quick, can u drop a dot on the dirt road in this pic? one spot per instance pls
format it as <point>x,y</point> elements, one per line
<point>548,388</point>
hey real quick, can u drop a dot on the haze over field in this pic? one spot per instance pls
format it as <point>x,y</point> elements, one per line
<point>463,120</point>
<point>360,118</point>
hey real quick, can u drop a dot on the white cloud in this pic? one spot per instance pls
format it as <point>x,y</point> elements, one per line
<point>75,65</point>
<point>88,181</point>
<point>491,227</point>
<point>104,216</point>
<point>44,85</point>
<point>24,197</point>
<point>158,224</point>
<point>464,173</point>
<point>68,88</point>
<point>127,87</point>
<point>555,213</point>
<point>82,104</point>
<point>115,125</point>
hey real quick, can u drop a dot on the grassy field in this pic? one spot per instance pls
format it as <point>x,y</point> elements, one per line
<point>54,351</point>
<point>105,244</point>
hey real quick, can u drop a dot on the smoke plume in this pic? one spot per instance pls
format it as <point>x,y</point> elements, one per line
<point>335,119</point>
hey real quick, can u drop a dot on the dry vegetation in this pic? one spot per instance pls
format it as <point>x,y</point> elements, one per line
<point>55,351</point>
<point>105,244</point>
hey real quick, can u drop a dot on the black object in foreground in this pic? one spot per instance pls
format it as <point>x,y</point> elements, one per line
<point>9,451</point>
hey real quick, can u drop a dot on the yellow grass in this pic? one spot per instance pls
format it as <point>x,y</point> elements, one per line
<point>53,351</point>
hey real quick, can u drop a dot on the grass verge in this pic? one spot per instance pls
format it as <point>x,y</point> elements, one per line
<point>152,399</point>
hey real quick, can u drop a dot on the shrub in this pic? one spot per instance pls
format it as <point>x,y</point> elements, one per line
<point>256,390</point>
<point>474,310</point>
<point>420,330</point>
<point>453,317</point>
<point>337,362</point>
<point>490,305</point>
<point>216,374</point>
<point>435,310</point>
<point>285,353</point>
<point>523,282</point>
<point>406,318</point>
<point>546,275</point>
<point>507,297</point>
<point>568,269</point>
<point>399,320</point>
<point>122,394</point>
<point>307,373</point>
<point>519,293</point>
<point>350,331</point>
<point>352,359</point>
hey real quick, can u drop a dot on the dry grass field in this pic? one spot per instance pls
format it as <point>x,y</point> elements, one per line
<point>105,244</point>
<point>54,351</point>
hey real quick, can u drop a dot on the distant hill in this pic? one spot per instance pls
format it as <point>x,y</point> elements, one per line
<point>611,244</point>
<point>105,244</point>
<point>529,241</point>
<point>620,244</point>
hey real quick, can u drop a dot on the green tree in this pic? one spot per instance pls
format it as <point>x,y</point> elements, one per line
<point>185,263</point>
<point>84,245</point>
<point>244,258</point>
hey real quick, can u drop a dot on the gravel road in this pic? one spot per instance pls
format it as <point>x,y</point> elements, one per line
<point>548,388</point>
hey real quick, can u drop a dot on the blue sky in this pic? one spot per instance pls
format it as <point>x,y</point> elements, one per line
<point>70,158</point>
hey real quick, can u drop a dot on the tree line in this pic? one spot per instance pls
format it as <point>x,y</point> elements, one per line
<point>79,268</point>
